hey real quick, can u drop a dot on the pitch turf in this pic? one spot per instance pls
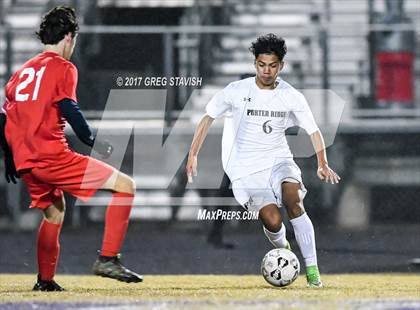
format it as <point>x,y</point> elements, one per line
<point>359,291</point>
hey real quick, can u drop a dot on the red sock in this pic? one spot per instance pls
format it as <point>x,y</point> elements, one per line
<point>48,248</point>
<point>116,222</point>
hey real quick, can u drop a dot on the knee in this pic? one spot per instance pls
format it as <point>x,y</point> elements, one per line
<point>273,226</point>
<point>55,213</point>
<point>294,208</point>
<point>132,186</point>
<point>126,184</point>
<point>57,217</point>
<point>271,219</point>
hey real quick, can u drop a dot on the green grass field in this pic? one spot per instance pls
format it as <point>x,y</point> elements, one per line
<point>217,290</point>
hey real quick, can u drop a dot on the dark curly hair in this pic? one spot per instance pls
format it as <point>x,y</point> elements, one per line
<point>55,24</point>
<point>269,44</point>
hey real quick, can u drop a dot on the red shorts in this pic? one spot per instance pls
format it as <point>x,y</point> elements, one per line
<point>80,176</point>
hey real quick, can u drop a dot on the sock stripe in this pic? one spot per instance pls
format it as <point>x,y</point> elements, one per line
<point>305,237</point>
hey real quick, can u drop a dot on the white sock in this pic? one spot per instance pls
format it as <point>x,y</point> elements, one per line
<point>305,237</point>
<point>278,239</point>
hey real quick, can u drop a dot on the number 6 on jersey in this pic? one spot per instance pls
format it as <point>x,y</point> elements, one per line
<point>267,128</point>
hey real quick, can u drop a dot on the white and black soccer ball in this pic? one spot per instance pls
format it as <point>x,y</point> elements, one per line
<point>280,267</point>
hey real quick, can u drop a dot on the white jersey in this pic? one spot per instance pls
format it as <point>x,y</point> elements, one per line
<point>255,123</point>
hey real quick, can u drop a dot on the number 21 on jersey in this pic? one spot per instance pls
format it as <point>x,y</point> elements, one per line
<point>30,73</point>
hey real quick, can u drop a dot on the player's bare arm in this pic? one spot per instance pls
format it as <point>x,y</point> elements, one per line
<point>324,172</point>
<point>198,140</point>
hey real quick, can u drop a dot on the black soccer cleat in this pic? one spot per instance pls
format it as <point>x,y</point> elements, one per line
<point>47,286</point>
<point>111,267</point>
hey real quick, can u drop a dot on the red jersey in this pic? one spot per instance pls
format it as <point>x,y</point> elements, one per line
<point>35,127</point>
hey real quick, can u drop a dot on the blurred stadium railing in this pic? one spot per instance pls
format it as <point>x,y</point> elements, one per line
<point>328,48</point>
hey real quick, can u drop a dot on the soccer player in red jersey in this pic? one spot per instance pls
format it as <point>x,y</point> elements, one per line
<point>40,97</point>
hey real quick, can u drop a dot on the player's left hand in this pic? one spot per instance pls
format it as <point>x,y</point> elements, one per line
<point>325,173</point>
<point>104,148</point>
<point>10,172</point>
<point>191,168</point>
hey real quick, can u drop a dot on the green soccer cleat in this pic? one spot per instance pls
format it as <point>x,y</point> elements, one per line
<point>313,277</point>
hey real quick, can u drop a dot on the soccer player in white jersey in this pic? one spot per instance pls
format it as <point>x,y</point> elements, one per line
<point>255,153</point>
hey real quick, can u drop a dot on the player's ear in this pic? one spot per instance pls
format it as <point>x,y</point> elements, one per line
<point>281,65</point>
<point>68,37</point>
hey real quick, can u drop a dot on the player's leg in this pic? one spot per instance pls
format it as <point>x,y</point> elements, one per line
<point>254,193</point>
<point>117,215</point>
<point>48,246</point>
<point>292,198</point>
<point>273,226</point>
<point>50,201</point>
<point>82,176</point>
<point>108,264</point>
<point>119,182</point>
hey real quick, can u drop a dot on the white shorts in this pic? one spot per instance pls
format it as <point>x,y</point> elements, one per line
<point>262,188</point>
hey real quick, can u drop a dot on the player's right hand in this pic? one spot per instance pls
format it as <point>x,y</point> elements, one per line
<point>10,172</point>
<point>104,148</point>
<point>191,168</point>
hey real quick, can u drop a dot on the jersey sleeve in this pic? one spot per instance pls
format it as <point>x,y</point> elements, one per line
<point>8,94</point>
<point>3,110</point>
<point>66,86</point>
<point>303,116</point>
<point>220,105</point>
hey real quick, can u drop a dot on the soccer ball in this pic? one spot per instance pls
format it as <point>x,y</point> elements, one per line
<point>280,267</point>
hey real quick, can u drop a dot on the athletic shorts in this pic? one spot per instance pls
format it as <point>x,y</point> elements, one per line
<point>262,188</point>
<point>80,176</point>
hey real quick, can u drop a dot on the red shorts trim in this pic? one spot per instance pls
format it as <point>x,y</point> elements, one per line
<point>80,176</point>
